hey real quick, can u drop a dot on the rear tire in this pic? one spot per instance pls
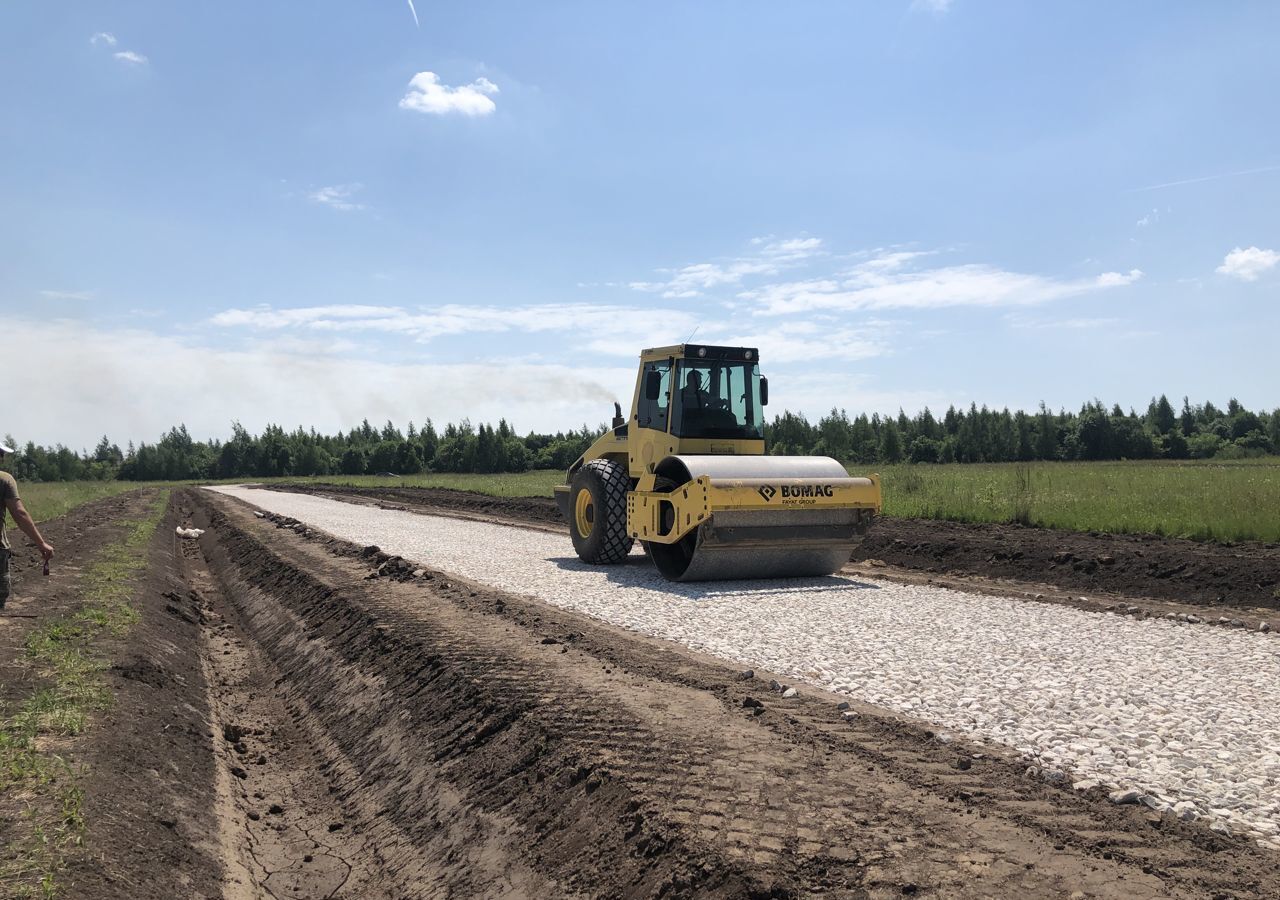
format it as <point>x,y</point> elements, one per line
<point>598,512</point>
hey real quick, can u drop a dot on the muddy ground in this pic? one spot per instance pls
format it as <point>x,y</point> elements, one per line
<point>290,724</point>
<point>1244,577</point>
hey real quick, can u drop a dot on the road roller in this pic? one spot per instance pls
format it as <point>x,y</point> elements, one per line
<point>688,477</point>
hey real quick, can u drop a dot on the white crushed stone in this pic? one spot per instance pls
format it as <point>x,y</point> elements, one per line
<point>1187,716</point>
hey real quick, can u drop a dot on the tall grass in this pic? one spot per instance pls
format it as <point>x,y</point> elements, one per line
<point>1202,500</point>
<point>48,500</point>
<point>537,483</point>
<point>1205,500</point>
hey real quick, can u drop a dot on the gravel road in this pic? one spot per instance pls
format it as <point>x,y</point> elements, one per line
<point>1185,716</point>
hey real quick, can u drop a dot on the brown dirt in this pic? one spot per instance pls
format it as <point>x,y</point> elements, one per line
<point>288,724</point>
<point>1243,576</point>
<point>596,762</point>
<point>144,787</point>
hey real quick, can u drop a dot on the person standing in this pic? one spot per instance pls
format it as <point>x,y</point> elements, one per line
<point>11,504</point>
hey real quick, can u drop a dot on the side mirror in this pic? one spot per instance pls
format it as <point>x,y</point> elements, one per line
<point>652,385</point>
<point>764,391</point>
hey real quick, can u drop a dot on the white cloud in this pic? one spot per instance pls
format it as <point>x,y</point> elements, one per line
<point>1149,219</point>
<point>817,392</point>
<point>337,196</point>
<point>1247,265</point>
<point>133,59</point>
<point>456,319</point>
<point>773,256</point>
<point>797,341</point>
<point>933,6</point>
<point>883,260</point>
<point>427,95</point>
<point>415,15</point>
<point>267,318</point>
<point>794,249</point>
<point>880,284</point>
<point>103,37</point>
<point>1076,324</point>
<point>808,342</point>
<point>886,278</point>
<point>168,380</point>
<point>67,295</point>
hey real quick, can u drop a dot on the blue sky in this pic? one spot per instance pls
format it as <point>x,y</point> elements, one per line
<point>313,213</point>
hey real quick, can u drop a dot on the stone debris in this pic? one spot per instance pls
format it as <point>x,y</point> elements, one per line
<point>1125,796</point>
<point>789,693</point>
<point>188,533</point>
<point>1141,705</point>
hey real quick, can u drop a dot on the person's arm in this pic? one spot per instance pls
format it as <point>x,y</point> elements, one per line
<point>23,520</point>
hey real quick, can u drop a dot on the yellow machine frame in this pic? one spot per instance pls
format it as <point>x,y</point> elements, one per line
<point>641,450</point>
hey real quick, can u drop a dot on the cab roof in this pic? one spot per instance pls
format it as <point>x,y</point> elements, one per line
<point>700,351</point>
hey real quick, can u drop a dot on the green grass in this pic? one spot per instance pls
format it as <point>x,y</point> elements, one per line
<point>1199,500</point>
<point>1205,500</point>
<point>67,655</point>
<point>48,500</point>
<point>537,483</point>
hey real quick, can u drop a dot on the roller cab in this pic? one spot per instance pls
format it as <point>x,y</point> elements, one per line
<point>687,475</point>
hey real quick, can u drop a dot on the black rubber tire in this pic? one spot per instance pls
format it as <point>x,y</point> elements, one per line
<point>607,542</point>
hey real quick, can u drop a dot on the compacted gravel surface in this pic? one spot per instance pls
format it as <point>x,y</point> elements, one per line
<point>1183,717</point>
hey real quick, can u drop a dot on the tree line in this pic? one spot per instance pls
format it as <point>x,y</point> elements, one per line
<point>963,436</point>
<point>986,435</point>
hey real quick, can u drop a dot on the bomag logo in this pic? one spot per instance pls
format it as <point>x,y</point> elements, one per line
<point>767,491</point>
<point>807,490</point>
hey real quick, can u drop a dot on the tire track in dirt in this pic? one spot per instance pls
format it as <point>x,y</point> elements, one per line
<point>461,712</point>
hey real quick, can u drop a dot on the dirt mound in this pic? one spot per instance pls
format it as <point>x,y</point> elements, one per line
<point>1232,575</point>
<point>1229,575</point>
<point>484,742</point>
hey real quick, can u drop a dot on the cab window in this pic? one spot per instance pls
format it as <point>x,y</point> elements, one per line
<point>717,400</point>
<point>652,413</point>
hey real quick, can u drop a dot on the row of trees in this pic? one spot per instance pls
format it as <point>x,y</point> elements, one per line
<point>276,452</point>
<point>985,435</point>
<point>973,435</point>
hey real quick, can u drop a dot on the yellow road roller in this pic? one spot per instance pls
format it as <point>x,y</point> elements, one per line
<point>688,477</point>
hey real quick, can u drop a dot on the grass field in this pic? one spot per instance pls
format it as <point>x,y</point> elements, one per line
<point>1204,501</point>
<point>48,500</point>
<point>526,484</point>
<point>1201,500</point>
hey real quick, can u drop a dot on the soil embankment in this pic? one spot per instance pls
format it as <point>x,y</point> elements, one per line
<point>1243,576</point>
<point>297,717</point>
<point>490,743</point>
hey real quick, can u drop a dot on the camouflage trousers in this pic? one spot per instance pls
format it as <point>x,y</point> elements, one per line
<point>6,583</point>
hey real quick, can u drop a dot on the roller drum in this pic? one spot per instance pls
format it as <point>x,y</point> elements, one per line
<point>760,543</point>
